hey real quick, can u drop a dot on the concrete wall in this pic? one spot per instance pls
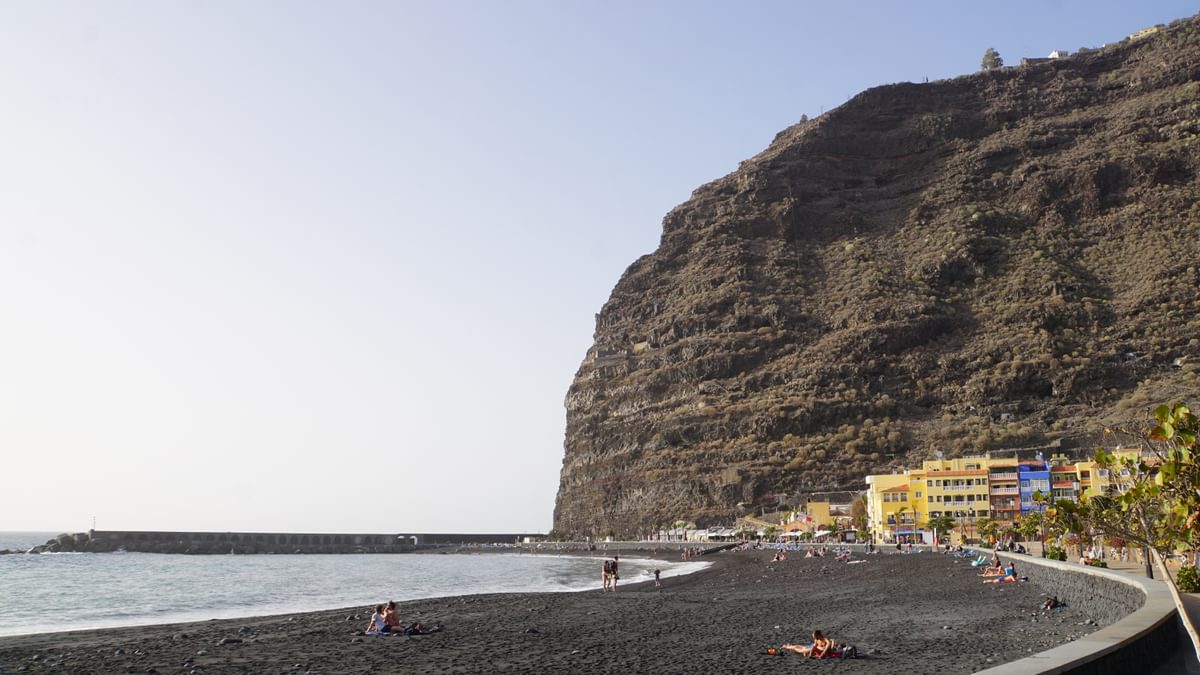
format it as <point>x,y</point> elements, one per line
<point>104,541</point>
<point>1142,630</point>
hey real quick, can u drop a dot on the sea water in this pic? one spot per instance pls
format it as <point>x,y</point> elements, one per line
<point>72,591</point>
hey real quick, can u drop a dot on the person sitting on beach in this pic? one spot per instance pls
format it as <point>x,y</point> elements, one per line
<point>391,618</point>
<point>820,648</point>
<point>377,626</point>
<point>1009,576</point>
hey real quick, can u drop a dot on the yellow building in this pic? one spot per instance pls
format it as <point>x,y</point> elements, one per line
<point>899,505</point>
<point>887,494</point>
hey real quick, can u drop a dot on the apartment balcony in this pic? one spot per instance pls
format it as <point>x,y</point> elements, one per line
<point>959,504</point>
<point>1005,491</point>
<point>1003,476</point>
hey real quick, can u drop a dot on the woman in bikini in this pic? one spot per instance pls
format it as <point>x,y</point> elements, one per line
<point>821,646</point>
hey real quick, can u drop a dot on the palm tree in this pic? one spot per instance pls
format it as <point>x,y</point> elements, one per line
<point>943,524</point>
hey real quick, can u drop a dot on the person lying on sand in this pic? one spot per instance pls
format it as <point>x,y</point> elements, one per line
<point>1052,602</point>
<point>821,646</point>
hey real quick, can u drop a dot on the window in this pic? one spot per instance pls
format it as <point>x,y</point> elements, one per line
<point>1025,484</point>
<point>928,482</point>
<point>918,494</point>
<point>904,496</point>
<point>930,497</point>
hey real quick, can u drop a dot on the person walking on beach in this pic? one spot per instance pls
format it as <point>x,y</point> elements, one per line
<point>657,580</point>
<point>606,575</point>
<point>615,576</point>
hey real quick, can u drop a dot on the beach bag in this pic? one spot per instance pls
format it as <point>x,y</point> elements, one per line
<point>849,651</point>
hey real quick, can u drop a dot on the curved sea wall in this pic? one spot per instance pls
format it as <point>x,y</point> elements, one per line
<point>1142,630</point>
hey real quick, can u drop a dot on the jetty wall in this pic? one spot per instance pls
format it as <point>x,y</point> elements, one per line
<point>147,541</point>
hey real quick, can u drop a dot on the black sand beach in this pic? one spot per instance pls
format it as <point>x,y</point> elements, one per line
<point>921,613</point>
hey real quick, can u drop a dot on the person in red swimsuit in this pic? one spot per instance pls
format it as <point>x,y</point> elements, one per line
<point>820,648</point>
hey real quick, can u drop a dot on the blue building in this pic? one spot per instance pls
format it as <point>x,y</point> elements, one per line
<point>1033,477</point>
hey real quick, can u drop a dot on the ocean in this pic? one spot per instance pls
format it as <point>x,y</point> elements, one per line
<point>72,591</point>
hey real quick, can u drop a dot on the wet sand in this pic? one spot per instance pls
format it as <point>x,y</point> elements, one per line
<point>921,613</point>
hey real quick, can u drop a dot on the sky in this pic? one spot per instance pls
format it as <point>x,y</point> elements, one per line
<point>332,266</point>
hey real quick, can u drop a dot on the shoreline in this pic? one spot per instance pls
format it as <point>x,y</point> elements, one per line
<point>643,562</point>
<point>913,613</point>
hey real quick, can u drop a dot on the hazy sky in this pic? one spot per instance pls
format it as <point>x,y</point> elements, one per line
<point>331,266</point>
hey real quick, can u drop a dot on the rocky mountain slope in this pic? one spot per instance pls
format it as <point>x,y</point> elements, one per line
<point>1006,259</point>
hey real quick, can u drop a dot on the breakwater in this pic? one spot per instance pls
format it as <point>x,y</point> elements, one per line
<point>142,541</point>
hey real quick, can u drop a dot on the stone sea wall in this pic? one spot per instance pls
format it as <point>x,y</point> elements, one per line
<point>1139,624</point>
<point>108,541</point>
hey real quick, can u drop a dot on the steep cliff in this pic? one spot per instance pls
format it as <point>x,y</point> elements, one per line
<point>1002,260</point>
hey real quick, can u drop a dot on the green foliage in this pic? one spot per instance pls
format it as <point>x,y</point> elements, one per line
<point>991,59</point>
<point>1029,525</point>
<point>988,528</point>
<point>1188,579</point>
<point>1055,553</point>
<point>942,524</point>
<point>1158,505</point>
